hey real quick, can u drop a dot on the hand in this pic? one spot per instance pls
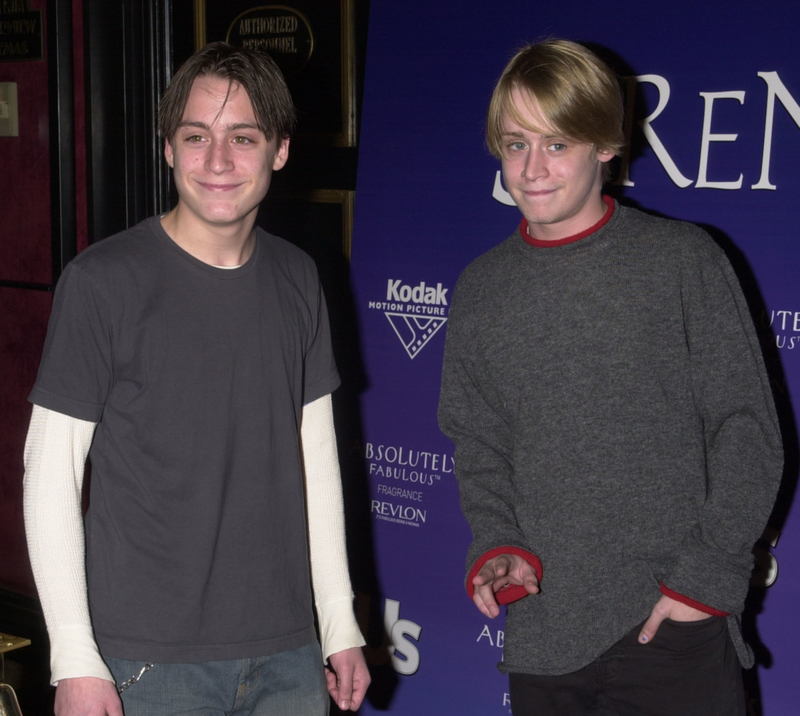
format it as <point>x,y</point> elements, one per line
<point>347,678</point>
<point>668,608</point>
<point>496,574</point>
<point>87,696</point>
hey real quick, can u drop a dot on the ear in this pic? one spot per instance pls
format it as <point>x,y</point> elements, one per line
<point>168,155</point>
<point>604,155</point>
<point>281,155</point>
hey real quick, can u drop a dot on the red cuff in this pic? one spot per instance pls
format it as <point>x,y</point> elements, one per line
<point>511,592</point>
<point>691,602</point>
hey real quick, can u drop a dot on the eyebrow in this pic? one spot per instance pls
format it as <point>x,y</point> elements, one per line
<point>522,136</point>
<point>230,127</point>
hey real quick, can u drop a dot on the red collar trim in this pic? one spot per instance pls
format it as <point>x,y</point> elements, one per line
<point>523,229</point>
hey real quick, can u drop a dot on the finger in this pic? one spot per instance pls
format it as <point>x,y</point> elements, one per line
<point>501,566</point>
<point>650,628</point>
<point>530,579</point>
<point>482,608</point>
<point>481,578</point>
<point>360,684</point>
<point>331,683</point>
<point>484,599</point>
<point>531,584</point>
<point>486,574</point>
<point>345,681</point>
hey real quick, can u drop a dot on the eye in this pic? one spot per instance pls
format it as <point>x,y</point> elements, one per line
<point>515,146</point>
<point>193,138</point>
<point>557,147</point>
<point>242,140</point>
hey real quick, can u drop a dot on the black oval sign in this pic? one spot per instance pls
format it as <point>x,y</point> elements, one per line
<point>282,32</point>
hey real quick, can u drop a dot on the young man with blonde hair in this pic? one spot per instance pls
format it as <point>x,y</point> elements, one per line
<point>192,354</point>
<point>617,447</point>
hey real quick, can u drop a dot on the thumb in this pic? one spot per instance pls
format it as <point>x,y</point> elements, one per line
<point>345,688</point>
<point>651,627</point>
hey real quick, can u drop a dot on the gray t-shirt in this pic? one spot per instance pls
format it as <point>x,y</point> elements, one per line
<point>196,540</point>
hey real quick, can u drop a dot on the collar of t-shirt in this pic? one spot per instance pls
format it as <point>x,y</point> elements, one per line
<point>539,243</point>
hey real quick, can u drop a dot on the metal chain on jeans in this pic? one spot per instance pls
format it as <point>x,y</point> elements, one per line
<point>130,682</point>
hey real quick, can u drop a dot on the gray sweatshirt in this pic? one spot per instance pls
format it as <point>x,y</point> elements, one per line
<point>611,415</point>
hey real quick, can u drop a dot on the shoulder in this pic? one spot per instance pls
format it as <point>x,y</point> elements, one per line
<point>131,246</point>
<point>671,235</point>
<point>112,263</point>
<point>489,270</point>
<point>287,263</point>
<point>480,291</point>
<point>667,247</point>
<point>284,252</point>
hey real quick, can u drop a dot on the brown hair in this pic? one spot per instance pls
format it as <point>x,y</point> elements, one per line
<point>254,70</point>
<point>577,93</point>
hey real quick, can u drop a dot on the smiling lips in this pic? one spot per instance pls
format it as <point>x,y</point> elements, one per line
<point>218,187</point>
<point>537,192</point>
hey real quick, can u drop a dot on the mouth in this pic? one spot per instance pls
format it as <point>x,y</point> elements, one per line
<point>218,188</point>
<point>537,192</point>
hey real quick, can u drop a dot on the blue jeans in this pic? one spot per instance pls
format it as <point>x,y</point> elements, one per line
<point>288,683</point>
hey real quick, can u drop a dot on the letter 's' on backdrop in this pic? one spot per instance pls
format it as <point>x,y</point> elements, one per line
<point>714,90</point>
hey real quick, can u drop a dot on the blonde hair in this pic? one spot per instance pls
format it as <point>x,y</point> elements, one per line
<point>576,92</point>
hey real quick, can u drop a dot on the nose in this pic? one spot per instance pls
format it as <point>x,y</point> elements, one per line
<point>534,166</point>
<point>218,159</point>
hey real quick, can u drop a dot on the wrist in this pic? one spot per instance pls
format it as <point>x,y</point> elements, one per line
<point>688,601</point>
<point>512,592</point>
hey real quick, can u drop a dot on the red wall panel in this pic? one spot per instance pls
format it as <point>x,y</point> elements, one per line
<point>25,174</point>
<point>25,255</point>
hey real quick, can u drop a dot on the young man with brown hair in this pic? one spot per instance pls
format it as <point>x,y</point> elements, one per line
<point>617,447</point>
<point>192,354</point>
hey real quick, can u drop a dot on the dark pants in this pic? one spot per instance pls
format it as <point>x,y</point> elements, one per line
<point>688,669</point>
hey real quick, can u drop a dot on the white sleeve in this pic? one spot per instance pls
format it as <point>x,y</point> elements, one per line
<point>330,578</point>
<point>55,459</point>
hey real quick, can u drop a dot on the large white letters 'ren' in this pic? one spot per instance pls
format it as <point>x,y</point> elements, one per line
<point>658,147</point>
<point>702,181</point>
<point>776,89</point>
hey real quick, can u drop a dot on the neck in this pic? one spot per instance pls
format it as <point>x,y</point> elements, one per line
<point>590,214</point>
<point>524,229</point>
<point>217,245</point>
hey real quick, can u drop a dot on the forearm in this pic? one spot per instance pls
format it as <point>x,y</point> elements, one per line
<point>742,443</point>
<point>483,462</point>
<point>488,499</point>
<point>330,578</point>
<point>483,456</point>
<point>55,457</point>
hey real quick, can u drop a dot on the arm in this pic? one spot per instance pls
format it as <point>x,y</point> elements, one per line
<point>55,458</point>
<point>743,448</point>
<point>744,456</point>
<point>742,445</point>
<point>340,636</point>
<point>470,413</point>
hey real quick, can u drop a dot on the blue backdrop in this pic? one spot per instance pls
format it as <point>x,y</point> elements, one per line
<point>714,89</point>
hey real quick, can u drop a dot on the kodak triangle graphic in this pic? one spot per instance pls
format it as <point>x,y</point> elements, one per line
<point>414,331</point>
